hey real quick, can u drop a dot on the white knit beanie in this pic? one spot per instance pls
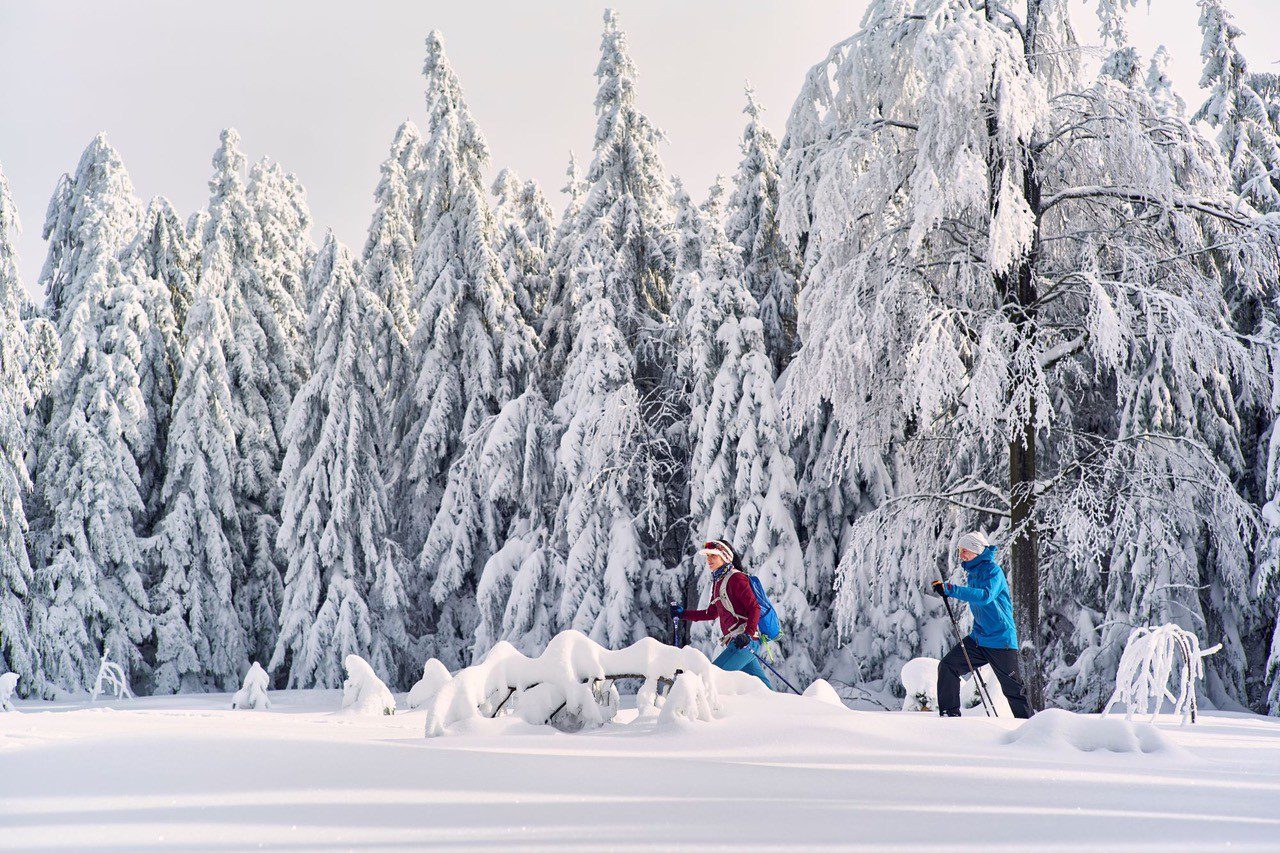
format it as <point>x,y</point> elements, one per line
<point>975,541</point>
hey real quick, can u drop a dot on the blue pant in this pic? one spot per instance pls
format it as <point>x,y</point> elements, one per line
<point>743,660</point>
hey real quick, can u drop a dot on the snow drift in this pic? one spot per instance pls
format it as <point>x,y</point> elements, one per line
<point>1059,730</point>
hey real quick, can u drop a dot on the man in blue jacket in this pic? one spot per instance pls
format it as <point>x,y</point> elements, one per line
<point>994,639</point>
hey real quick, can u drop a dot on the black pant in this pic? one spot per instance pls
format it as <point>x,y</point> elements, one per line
<point>1003,661</point>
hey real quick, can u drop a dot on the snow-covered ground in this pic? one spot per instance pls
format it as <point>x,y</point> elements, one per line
<point>775,772</point>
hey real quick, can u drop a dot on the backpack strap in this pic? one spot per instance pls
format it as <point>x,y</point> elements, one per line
<point>739,620</point>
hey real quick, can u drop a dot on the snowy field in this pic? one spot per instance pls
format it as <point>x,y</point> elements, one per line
<point>775,772</point>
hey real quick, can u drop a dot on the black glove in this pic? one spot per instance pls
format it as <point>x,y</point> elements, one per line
<point>740,642</point>
<point>677,610</point>
<point>940,588</point>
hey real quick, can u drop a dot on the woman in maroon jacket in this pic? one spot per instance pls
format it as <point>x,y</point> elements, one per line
<point>734,603</point>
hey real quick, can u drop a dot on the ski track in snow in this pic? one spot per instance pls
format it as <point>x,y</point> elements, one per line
<point>183,772</point>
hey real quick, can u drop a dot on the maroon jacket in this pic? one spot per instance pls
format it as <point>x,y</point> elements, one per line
<point>741,597</point>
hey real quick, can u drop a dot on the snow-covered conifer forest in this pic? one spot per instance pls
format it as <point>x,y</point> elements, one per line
<point>978,277</point>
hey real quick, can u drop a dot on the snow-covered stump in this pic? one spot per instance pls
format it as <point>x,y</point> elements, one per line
<point>111,679</point>
<point>570,685</point>
<point>1150,659</point>
<point>8,683</point>
<point>252,695</point>
<point>434,676</point>
<point>363,693</point>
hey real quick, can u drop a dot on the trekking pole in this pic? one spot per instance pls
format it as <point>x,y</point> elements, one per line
<point>675,627</point>
<point>775,672</point>
<point>987,705</point>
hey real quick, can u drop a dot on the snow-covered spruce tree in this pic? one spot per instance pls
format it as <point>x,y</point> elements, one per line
<point>388,259</point>
<point>1249,139</point>
<point>262,376</point>
<point>768,262</point>
<point>742,479</point>
<point>343,592</point>
<point>18,653</point>
<point>561,306</point>
<point>159,261</point>
<point>493,526</point>
<point>611,477</point>
<point>168,255</point>
<point>1011,271</point>
<point>524,237</point>
<point>88,595</point>
<point>284,260</point>
<point>471,350</point>
<point>1160,85</point>
<point>406,149</point>
<point>200,643</point>
<point>1244,107</point>
<point>615,462</point>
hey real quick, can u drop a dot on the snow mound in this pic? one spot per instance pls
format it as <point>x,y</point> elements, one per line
<point>252,695</point>
<point>363,692</point>
<point>920,684</point>
<point>8,683</point>
<point>434,676</point>
<point>686,703</point>
<point>571,681</point>
<point>824,692</point>
<point>1061,730</point>
<point>919,678</point>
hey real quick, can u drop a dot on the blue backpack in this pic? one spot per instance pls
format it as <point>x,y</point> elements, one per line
<point>770,627</point>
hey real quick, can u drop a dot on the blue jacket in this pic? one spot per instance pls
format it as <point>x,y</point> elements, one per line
<point>988,598</point>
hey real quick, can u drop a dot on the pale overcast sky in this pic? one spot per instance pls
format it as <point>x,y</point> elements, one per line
<point>321,85</point>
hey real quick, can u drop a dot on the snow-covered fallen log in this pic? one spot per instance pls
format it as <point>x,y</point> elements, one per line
<point>572,677</point>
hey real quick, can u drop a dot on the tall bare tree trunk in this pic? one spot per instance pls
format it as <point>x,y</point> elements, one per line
<point>1018,287</point>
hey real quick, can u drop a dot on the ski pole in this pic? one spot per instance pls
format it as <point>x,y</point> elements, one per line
<point>675,626</point>
<point>775,672</point>
<point>987,705</point>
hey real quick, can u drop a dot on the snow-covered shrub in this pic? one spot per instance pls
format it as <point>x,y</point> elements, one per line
<point>434,676</point>
<point>571,672</point>
<point>363,692</point>
<point>111,679</point>
<point>8,683</point>
<point>1056,728</point>
<point>824,692</point>
<point>1150,658</point>
<point>688,701</point>
<point>252,695</point>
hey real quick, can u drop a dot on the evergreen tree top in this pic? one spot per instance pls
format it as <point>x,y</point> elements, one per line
<point>94,211</point>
